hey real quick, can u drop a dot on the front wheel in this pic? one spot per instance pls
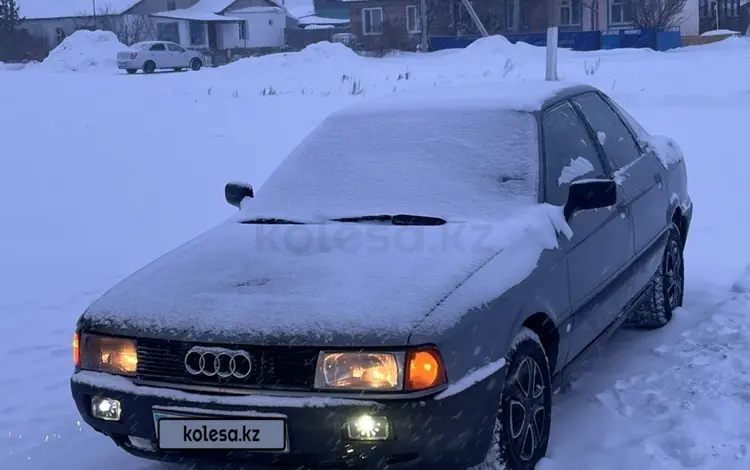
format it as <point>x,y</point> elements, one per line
<point>522,427</point>
<point>196,65</point>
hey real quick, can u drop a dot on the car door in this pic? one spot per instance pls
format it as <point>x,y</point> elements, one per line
<point>602,242</point>
<point>160,55</point>
<point>178,56</point>
<point>642,177</point>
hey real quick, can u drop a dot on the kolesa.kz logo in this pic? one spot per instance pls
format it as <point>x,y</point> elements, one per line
<point>203,434</point>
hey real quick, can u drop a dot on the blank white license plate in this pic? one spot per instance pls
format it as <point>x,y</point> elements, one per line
<point>258,434</point>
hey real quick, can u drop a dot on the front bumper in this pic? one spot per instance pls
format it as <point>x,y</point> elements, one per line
<point>451,433</point>
<point>128,64</point>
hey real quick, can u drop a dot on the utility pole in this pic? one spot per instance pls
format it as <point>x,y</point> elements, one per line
<point>553,15</point>
<point>423,24</point>
<point>475,18</point>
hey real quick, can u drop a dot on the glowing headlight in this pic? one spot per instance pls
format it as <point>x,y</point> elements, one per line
<point>360,371</point>
<point>106,354</point>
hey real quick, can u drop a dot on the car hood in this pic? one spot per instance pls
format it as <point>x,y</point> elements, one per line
<point>326,284</point>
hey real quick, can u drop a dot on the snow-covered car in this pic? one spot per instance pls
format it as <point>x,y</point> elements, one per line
<point>406,289</point>
<point>150,56</point>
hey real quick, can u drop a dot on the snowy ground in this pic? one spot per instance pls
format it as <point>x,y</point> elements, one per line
<point>101,172</point>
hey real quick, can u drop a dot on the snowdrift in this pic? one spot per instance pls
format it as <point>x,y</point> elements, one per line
<point>84,51</point>
<point>323,55</point>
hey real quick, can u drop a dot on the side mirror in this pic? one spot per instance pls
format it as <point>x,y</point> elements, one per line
<point>590,194</point>
<point>234,193</point>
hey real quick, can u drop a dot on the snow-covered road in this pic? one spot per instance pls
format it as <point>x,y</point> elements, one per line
<point>99,173</point>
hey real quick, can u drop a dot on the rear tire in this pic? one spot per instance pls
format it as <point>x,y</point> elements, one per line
<point>132,71</point>
<point>149,66</point>
<point>668,287</point>
<point>195,65</point>
<point>522,427</point>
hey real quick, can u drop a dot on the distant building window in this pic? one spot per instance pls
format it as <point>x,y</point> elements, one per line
<point>620,12</point>
<point>413,19</point>
<point>570,12</point>
<point>731,8</point>
<point>171,5</point>
<point>197,33</point>
<point>243,30</point>
<point>168,32</point>
<point>510,15</point>
<point>59,35</point>
<point>372,21</point>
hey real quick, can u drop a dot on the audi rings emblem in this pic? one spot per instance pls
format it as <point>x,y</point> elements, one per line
<point>221,362</point>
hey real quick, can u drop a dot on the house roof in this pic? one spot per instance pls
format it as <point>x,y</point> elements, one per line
<point>46,9</point>
<point>188,14</point>
<point>320,21</point>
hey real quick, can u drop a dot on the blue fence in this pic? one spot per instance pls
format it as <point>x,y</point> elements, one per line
<point>659,40</point>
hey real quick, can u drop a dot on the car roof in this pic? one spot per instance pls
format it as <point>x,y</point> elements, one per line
<point>521,95</point>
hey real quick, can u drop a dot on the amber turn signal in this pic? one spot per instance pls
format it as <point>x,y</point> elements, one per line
<point>77,349</point>
<point>424,369</point>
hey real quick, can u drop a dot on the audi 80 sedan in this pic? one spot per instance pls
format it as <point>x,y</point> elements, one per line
<point>405,290</point>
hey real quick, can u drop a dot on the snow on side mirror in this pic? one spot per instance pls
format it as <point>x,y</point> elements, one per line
<point>235,192</point>
<point>590,194</point>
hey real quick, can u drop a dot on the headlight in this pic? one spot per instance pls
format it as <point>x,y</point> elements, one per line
<point>107,354</point>
<point>418,369</point>
<point>360,371</point>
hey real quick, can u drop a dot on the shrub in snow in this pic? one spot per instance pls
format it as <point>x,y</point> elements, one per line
<point>83,51</point>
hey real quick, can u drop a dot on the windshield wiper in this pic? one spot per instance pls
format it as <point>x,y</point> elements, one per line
<point>272,222</point>
<point>398,219</point>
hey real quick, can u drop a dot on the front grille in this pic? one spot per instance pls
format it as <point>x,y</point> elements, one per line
<point>273,367</point>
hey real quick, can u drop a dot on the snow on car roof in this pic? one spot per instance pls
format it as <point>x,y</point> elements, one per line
<point>527,95</point>
<point>41,9</point>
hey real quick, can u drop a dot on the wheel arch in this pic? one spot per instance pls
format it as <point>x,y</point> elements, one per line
<point>542,324</point>
<point>682,223</point>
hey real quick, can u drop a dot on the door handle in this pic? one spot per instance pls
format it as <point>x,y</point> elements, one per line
<point>657,178</point>
<point>622,207</point>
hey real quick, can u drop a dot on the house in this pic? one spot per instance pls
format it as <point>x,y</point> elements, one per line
<point>224,24</point>
<point>733,15</point>
<point>55,20</point>
<point>396,23</point>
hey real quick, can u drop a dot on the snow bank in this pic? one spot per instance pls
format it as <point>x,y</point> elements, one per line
<point>497,48</point>
<point>84,51</point>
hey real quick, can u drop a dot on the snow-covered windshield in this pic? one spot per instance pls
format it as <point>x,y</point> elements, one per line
<point>464,164</point>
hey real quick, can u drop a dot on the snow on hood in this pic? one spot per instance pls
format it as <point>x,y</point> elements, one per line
<point>316,284</point>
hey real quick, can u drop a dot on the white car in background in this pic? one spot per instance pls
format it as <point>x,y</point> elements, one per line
<point>152,55</point>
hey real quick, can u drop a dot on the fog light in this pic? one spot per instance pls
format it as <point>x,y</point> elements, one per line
<point>105,408</point>
<point>368,428</point>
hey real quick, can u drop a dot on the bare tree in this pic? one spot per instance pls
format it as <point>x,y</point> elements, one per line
<point>134,28</point>
<point>129,29</point>
<point>592,6</point>
<point>432,9</point>
<point>657,13</point>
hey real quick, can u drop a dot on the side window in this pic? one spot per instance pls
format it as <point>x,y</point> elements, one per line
<point>569,153</point>
<point>174,48</point>
<point>158,47</point>
<point>614,136</point>
<point>640,133</point>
